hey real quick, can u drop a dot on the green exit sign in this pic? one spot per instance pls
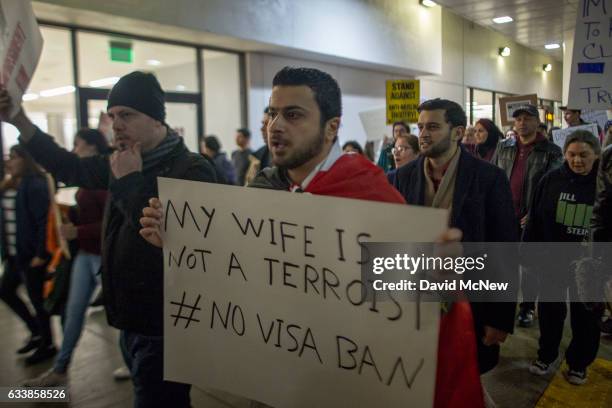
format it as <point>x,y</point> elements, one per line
<point>121,51</point>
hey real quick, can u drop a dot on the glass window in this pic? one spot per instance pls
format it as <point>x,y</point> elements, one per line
<point>482,105</point>
<point>222,97</point>
<point>104,58</point>
<point>50,100</point>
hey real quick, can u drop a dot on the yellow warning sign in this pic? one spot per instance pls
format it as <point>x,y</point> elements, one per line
<point>402,100</point>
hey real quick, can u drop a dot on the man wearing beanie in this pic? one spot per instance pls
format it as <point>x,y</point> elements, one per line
<point>132,269</point>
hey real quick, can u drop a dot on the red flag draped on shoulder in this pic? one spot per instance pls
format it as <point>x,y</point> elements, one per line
<point>457,375</point>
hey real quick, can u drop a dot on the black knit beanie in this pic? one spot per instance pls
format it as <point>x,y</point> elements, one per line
<point>141,91</point>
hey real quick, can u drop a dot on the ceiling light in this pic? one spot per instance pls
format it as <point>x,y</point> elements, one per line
<point>180,87</point>
<point>104,82</point>
<point>547,67</point>
<point>428,3</point>
<point>57,91</point>
<point>504,51</point>
<point>552,46</point>
<point>29,97</point>
<point>154,62</point>
<point>502,20</point>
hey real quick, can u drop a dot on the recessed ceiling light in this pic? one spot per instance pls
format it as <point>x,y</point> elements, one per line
<point>504,51</point>
<point>57,91</point>
<point>29,96</point>
<point>154,62</point>
<point>104,82</point>
<point>502,20</point>
<point>553,46</point>
<point>428,3</point>
<point>547,67</point>
<point>180,87</point>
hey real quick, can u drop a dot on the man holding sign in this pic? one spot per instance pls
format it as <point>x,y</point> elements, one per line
<point>132,270</point>
<point>305,111</point>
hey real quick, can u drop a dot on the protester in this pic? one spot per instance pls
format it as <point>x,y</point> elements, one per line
<point>385,160</point>
<point>478,197</point>
<point>132,270</point>
<point>608,135</point>
<point>263,153</point>
<point>352,146</point>
<point>487,135</point>
<point>223,167</point>
<point>406,149</point>
<point>469,138</point>
<point>574,181</point>
<point>511,134</point>
<point>525,160</point>
<point>307,158</point>
<point>84,278</point>
<point>31,258</point>
<point>240,157</point>
<point>573,118</point>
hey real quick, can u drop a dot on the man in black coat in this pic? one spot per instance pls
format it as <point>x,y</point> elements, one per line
<point>132,270</point>
<point>478,197</point>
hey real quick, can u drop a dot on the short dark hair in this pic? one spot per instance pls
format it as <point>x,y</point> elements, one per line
<point>404,124</point>
<point>325,88</point>
<point>212,143</point>
<point>245,132</point>
<point>30,167</point>
<point>95,138</point>
<point>354,144</point>
<point>453,112</point>
<point>583,136</point>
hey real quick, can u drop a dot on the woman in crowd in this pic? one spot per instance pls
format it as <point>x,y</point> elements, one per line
<point>87,230</point>
<point>352,146</point>
<point>385,160</point>
<point>224,168</point>
<point>487,136</point>
<point>31,210</point>
<point>573,184</point>
<point>406,149</point>
<point>469,138</point>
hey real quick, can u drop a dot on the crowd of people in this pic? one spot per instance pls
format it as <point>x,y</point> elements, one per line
<point>497,188</point>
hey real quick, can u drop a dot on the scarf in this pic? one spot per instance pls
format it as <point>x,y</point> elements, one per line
<point>443,198</point>
<point>153,157</point>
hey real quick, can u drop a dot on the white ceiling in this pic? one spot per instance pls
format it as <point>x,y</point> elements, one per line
<point>536,22</point>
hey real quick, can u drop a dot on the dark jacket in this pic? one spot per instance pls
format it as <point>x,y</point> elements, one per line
<point>224,167</point>
<point>544,157</point>
<point>88,220</point>
<point>263,155</point>
<point>31,210</point>
<point>482,210</point>
<point>601,223</point>
<point>132,269</point>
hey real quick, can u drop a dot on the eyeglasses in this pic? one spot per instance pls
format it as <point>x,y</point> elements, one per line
<point>400,149</point>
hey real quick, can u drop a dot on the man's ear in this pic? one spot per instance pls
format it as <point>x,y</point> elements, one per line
<point>331,128</point>
<point>457,133</point>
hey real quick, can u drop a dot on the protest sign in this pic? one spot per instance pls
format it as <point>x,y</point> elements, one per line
<point>509,104</point>
<point>20,47</point>
<point>263,298</point>
<point>591,72</point>
<point>403,98</point>
<point>560,135</point>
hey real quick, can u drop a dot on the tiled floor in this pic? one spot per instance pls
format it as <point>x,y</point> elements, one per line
<point>92,385</point>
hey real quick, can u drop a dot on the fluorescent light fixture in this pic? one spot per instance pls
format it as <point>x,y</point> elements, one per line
<point>552,46</point>
<point>502,20</point>
<point>180,87</point>
<point>104,82</point>
<point>29,97</point>
<point>57,91</point>
<point>154,62</point>
<point>504,51</point>
<point>547,67</point>
<point>428,3</point>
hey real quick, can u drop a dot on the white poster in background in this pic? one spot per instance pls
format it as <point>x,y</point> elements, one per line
<point>600,117</point>
<point>591,75</point>
<point>374,124</point>
<point>560,135</point>
<point>20,47</point>
<point>263,298</point>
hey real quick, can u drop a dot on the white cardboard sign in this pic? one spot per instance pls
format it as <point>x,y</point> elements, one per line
<point>20,47</point>
<point>560,135</point>
<point>263,298</point>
